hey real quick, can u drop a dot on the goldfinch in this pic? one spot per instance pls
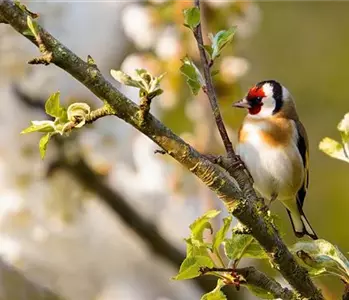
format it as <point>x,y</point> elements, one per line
<point>273,144</point>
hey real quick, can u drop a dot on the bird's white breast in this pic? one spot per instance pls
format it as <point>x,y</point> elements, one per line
<point>275,169</point>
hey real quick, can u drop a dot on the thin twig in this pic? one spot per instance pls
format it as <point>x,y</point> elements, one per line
<point>98,113</point>
<point>210,91</point>
<point>251,276</point>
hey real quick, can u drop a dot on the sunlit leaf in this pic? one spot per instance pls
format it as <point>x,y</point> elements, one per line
<point>191,17</point>
<point>243,245</point>
<point>209,50</point>
<point>33,27</point>
<point>43,144</point>
<point>156,93</point>
<point>155,85</point>
<point>259,292</point>
<point>124,78</point>
<point>191,266</point>
<point>333,149</point>
<point>40,126</point>
<point>192,74</point>
<point>203,222</point>
<point>196,248</point>
<point>343,128</point>
<point>220,40</point>
<point>221,233</point>
<point>216,294</point>
<point>54,108</point>
<point>321,257</point>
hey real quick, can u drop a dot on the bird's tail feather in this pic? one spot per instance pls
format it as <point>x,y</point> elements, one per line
<point>301,225</point>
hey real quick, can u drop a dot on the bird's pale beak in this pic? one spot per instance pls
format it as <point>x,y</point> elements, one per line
<point>242,104</point>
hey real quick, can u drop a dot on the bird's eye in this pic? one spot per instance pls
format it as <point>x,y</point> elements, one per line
<point>256,100</point>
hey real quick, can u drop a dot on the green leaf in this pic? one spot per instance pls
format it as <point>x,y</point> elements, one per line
<point>243,245</point>
<point>154,94</point>
<point>190,267</point>
<point>216,294</point>
<point>124,78</point>
<point>40,126</point>
<point>200,224</point>
<point>220,40</point>
<point>28,32</point>
<point>191,17</point>
<point>259,292</point>
<point>343,128</point>
<point>333,149</point>
<point>196,248</point>
<point>192,74</point>
<point>43,144</point>
<point>54,108</point>
<point>155,85</point>
<point>321,257</point>
<point>209,50</point>
<point>221,233</point>
<point>33,27</point>
<point>214,72</point>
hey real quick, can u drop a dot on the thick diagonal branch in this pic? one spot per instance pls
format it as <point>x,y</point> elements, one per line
<point>212,176</point>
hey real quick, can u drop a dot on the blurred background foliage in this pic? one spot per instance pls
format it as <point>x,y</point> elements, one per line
<point>304,45</point>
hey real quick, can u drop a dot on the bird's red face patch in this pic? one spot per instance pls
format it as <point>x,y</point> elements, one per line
<point>254,97</point>
<point>255,92</point>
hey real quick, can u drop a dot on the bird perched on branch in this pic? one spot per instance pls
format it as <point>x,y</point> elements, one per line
<point>273,144</point>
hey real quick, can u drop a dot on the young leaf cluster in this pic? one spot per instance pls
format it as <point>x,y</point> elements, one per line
<point>202,254</point>
<point>64,120</point>
<point>192,74</point>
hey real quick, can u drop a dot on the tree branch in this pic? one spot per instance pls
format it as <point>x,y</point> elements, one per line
<point>259,279</point>
<point>241,206</point>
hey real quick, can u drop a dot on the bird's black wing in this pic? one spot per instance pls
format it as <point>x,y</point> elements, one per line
<point>303,148</point>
